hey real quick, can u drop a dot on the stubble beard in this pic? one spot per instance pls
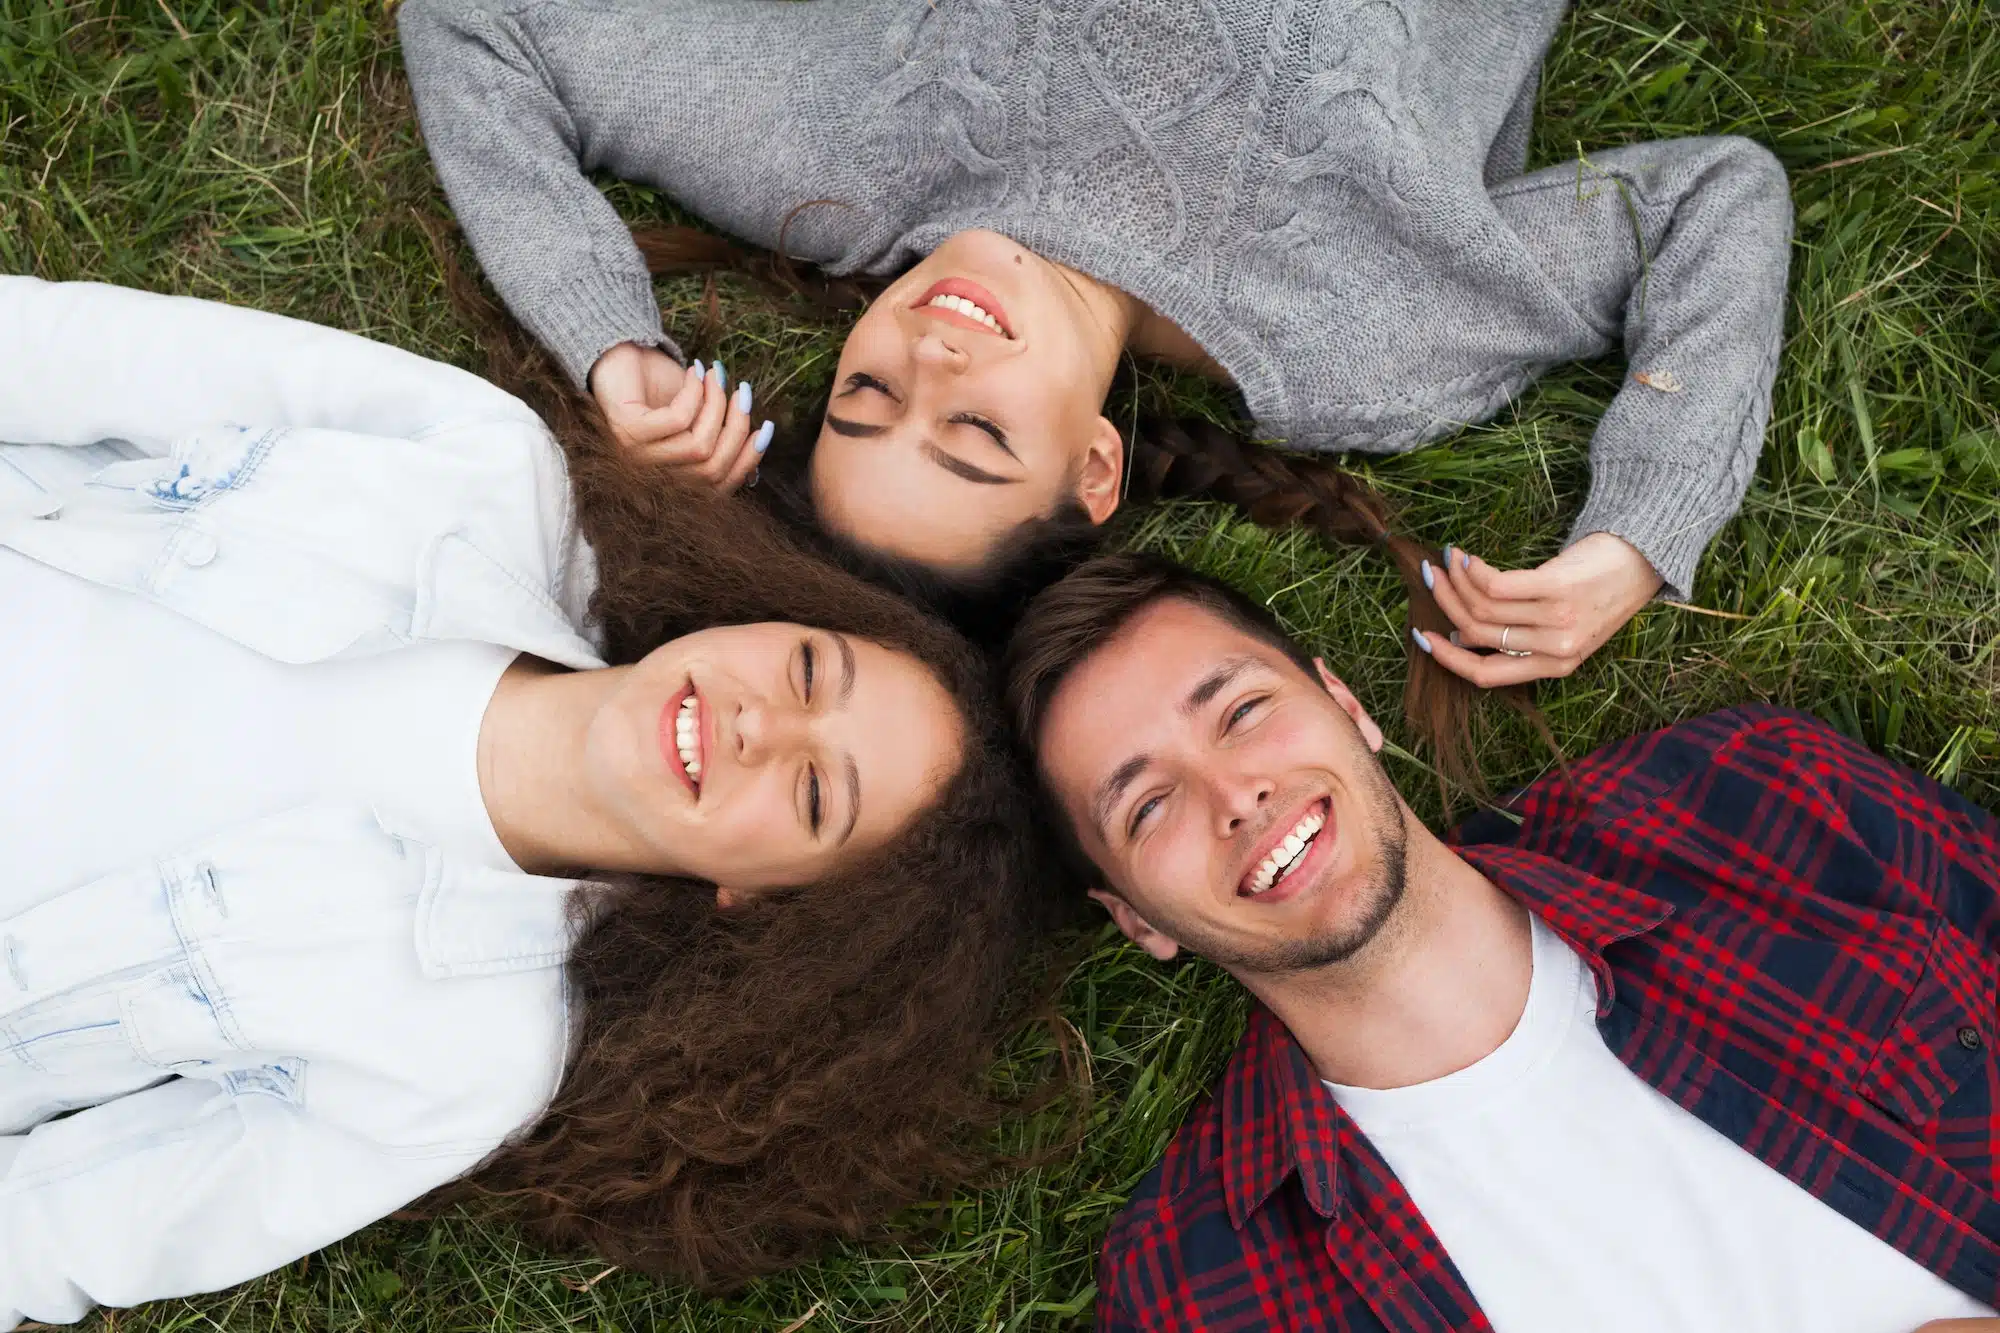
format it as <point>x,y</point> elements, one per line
<point>1381,896</point>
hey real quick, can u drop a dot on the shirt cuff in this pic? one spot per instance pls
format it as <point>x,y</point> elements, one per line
<point>581,322</point>
<point>1669,513</point>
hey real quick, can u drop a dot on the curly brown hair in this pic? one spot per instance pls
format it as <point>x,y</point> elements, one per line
<point>746,1085</point>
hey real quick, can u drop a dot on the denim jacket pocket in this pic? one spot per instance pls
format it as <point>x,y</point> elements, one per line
<point>172,1022</point>
<point>1941,1037</point>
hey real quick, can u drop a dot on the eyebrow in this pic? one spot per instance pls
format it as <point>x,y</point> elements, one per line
<point>853,799</point>
<point>1112,788</point>
<point>958,467</point>
<point>846,667</point>
<point>1214,683</point>
<point>857,430</point>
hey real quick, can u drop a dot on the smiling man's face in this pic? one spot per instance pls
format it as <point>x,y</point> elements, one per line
<point>1233,804</point>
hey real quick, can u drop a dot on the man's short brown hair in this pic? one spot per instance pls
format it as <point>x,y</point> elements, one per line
<point>1074,617</point>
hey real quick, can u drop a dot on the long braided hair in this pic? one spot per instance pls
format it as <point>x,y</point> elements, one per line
<point>1170,458</point>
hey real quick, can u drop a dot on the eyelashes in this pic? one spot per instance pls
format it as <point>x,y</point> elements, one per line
<point>861,379</point>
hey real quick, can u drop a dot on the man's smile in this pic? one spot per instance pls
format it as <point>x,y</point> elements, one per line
<point>1291,853</point>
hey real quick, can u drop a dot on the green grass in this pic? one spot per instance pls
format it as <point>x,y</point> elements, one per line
<point>263,154</point>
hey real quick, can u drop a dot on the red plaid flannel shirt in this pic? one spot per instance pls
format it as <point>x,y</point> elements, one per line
<point>1794,938</point>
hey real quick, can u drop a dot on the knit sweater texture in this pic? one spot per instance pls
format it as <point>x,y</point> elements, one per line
<point>1328,195</point>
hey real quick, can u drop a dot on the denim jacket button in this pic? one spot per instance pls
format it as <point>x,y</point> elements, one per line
<point>197,549</point>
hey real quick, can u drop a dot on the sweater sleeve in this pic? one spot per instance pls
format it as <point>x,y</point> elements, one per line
<point>704,99</point>
<point>1681,247</point>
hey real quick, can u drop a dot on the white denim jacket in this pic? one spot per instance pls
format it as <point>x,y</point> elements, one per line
<point>334,1019</point>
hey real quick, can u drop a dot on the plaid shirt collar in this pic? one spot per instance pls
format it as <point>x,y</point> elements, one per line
<point>1278,1117</point>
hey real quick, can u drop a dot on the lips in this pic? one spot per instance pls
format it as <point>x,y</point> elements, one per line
<point>1301,872</point>
<point>669,736</point>
<point>966,290</point>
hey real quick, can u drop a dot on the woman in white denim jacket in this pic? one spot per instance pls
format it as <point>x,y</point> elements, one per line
<point>312,745</point>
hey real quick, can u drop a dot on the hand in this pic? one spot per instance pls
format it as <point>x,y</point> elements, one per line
<point>685,421</point>
<point>1558,614</point>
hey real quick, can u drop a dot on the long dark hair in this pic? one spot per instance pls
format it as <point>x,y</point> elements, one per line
<point>1171,458</point>
<point>746,1085</point>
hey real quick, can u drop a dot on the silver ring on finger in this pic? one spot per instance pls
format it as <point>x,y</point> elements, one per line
<point>1505,630</point>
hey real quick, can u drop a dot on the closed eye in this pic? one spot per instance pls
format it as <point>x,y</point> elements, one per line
<point>860,380</point>
<point>978,422</point>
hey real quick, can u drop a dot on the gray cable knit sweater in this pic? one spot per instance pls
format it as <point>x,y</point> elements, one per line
<point>1326,194</point>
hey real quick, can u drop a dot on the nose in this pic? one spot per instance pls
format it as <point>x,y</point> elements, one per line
<point>933,350</point>
<point>1237,798</point>
<point>767,730</point>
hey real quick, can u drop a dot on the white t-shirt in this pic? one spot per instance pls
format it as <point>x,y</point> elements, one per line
<point>130,732</point>
<point>1575,1197</point>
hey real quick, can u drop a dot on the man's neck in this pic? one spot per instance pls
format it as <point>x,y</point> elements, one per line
<point>1439,989</point>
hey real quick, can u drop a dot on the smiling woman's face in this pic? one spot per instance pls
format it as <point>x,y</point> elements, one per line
<point>968,400</point>
<point>763,756</point>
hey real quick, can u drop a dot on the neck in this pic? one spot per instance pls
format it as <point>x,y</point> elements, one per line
<point>1138,328</point>
<point>532,771</point>
<point>1439,989</point>
<point>1116,313</point>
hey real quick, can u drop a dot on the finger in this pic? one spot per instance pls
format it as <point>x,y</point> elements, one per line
<point>752,455</point>
<point>696,445</point>
<point>1517,638</point>
<point>1512,585</point>
<point>653,425</point>
<point>731,443</point>
<point>1496,670</point>
<point>707,424</point>
<point>1482,605</point>
<point>1445,593</point>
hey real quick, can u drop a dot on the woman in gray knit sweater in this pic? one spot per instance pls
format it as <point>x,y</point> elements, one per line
<point>1321,202</point>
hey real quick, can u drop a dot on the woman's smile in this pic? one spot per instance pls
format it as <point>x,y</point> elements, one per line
<point>684,736</point>
<point>968,305</point>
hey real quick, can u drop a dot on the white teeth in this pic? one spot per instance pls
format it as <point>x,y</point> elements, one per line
<point>686,738</point>
<point>965,307</point>
<point>1287,855</point>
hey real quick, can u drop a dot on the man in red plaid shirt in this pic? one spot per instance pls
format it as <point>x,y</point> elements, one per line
<point>1696,1037</point>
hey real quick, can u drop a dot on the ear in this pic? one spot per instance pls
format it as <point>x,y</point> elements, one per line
<point>1102,475</point>
<point>1350,705</point>
<point>726,897</point>
<point>1134,927</point>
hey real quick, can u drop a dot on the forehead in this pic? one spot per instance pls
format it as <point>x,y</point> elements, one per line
<point>1126,697</point>
<point>908,738</point>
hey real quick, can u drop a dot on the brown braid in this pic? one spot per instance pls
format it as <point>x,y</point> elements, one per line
<point>1190,458</point>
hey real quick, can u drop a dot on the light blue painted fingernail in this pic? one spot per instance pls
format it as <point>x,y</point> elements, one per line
<point>721,376</point>
<point>1430,578</point>
<point>1418,635</point>
<point>764,434</point>
<point>1447,556</point>
<point>697,370</point>
<point>1465,560</point>
<point>743,396</point>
